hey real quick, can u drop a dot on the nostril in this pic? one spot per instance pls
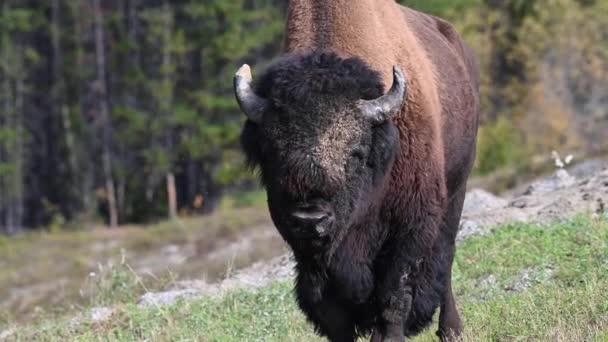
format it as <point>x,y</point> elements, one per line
<point>314,213</point>
<point>311,217</point>
<point>312,220</point>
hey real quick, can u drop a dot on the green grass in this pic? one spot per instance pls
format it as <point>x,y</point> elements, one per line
<point>256,198</point>
<point>561,298</point>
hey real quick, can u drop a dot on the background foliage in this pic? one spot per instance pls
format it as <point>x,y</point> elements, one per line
<point>105,104</point>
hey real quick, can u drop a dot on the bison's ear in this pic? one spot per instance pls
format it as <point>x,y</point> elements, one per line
<point>251,104</point>
<point>383,108</point>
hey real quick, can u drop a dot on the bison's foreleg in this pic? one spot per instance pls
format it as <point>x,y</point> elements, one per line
<point>336,321</point>
<point>402,266</point>
<point>396,304</point>
<point>450,324</point>
<point>322,309</point>
<point>331,319</point>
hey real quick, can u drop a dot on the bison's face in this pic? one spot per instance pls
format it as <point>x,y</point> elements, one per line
<point>323,161</point>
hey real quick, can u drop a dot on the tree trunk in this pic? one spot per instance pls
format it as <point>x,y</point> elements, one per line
<point>172,195</point>
<point>19,156</point>
<point>5,200</point>
<point>11,182</point>
<point>104,112</point>
<point>61,109</point>
<point>167,101</point>
<point>6,156</point>
<point>133,55</point>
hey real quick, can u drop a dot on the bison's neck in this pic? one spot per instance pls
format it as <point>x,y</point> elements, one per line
<point>383,34</point>
<point>362,28</point>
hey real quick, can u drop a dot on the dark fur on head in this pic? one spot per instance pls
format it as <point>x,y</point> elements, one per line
<point>296,80</point>
<point>302,81</point>
<point>313,143</point>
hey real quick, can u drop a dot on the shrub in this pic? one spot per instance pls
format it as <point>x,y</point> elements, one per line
<point>500,144</point>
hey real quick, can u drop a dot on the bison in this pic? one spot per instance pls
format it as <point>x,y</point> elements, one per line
<point>365,184</point>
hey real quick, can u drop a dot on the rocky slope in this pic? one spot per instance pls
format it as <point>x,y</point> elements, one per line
<point>560,196</point>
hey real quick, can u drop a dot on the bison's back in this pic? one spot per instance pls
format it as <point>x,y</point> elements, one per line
<point>457,77</point>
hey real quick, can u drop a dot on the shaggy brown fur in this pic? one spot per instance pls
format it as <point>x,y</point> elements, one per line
<point>402,247</point>
<point>383,33</point>
<point>439,122</point>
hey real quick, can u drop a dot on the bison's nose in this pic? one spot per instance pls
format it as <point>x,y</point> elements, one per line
<point>312,217</point>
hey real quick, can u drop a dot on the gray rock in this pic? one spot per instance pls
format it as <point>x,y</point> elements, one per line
<point>101,314</point>
<point>467,229</point>
<point>561,179</point>
<point>556,211</point>
<point>256,276</point>
<point>588,168</point>
<point>530,277</point>
<point>167,297</point>
<point>6,334</point>
<point>487,282</point>
<point>478,200</point>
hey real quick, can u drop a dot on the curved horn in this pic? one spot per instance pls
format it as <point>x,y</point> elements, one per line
<point>382,108</point>
<point>252,105</point>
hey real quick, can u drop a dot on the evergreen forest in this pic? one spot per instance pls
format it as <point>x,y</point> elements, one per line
<point>121,111</point>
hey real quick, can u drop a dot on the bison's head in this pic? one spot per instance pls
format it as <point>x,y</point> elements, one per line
<point>320,131</point>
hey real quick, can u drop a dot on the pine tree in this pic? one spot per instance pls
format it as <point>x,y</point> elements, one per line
<point>15,54</point>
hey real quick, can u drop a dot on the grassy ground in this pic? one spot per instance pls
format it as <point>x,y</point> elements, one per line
<point>40,272</point>
<point>521,283</point>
